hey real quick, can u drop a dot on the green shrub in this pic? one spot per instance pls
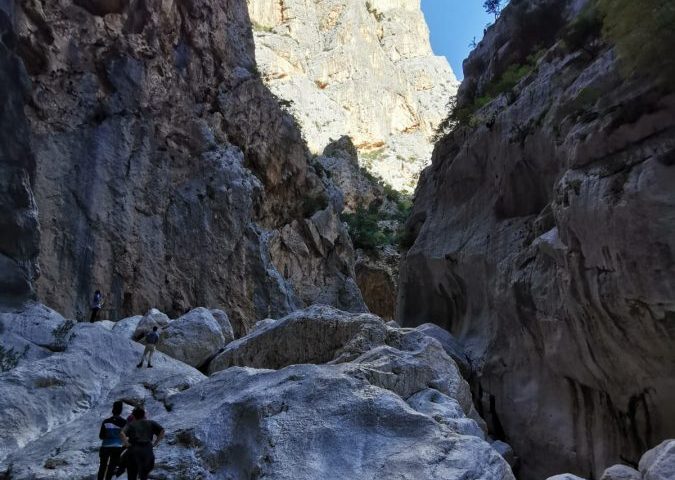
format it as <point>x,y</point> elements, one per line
<point>9,358</point>
<point>644,35</point>
<point>60,334</point>
<point>586,28</point>
<point>364,229</point>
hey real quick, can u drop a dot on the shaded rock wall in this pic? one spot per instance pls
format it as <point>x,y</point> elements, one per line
<point>19,237</point>
<point>545,241</point>
<point>165,168</point>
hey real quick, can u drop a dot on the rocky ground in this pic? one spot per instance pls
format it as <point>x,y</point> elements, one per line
<point>318,393</point>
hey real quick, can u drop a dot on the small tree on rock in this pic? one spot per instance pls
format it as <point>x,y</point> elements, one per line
<point>493,6</point>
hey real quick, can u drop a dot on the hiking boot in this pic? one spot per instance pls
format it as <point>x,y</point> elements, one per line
<point>139,365</point>
<point>149,366</point>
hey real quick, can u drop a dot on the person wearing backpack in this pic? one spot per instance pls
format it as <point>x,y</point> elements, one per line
<point>111,445</point>
<point>151,341</point>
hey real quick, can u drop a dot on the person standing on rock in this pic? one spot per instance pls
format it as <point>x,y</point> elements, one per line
<point>96,305</point>
<point>111,445</point>
<point>151,340</point>
<point>140,437</point>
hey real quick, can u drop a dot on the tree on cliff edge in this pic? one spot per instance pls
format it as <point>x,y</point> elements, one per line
<point>493,6</point>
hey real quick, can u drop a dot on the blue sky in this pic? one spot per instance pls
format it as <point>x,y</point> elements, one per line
<point>453,25</point>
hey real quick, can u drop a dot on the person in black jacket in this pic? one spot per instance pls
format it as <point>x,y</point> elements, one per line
<point>111,445</point>
<point>141,436</point>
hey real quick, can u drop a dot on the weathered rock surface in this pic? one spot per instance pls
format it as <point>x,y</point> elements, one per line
<point>300,422</point>
<point>318,334</point>
<point>163,159</point>
<point>49,402</point>
<point>19,232</point>
<point>620,472</point>
<point>659,462</point>
<point>127,326</point>
<point>358,68</point>
<point>545,242</point>
<point>193,338</point>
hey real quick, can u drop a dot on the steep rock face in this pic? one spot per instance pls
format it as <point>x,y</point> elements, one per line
<point>165,168</point>
<point>358,68</point>
<point>19,240</point>
<point>545,242</point>
<point>376,269</point>
<point>400,411</point>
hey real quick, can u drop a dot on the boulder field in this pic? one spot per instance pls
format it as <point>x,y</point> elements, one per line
<point>341,395</point>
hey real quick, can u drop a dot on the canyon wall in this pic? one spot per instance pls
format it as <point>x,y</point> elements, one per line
<point>167,173</point>
<point>545,241</point>
<point>358,68</point>
<point>19,241</point>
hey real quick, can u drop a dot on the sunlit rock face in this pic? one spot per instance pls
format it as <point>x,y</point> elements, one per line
<point>545,241</point>
<point>358,68</point>
<point>166,172</point>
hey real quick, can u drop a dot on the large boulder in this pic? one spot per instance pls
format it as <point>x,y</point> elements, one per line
<point>193,338</point>
<point>621,472</point>
<point>659,462</point>
<point>306,422</point>
<point>127,326</point>
<point>224,321</point>
<point>410,370</point>
<point>318,334</point>
<point>450,344</point>
<point>153,318</point>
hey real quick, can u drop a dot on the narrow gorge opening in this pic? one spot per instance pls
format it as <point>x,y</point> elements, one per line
<point>224,190</point>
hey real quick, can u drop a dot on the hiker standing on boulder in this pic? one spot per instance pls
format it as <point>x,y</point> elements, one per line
<point>111,446</point>
<point>141,436</point>
<point>96,305</point>
<point>151,340</point>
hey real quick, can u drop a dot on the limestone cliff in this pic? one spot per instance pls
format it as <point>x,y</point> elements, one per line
<point>19,233</point>
<point>167,174</point>
<point>545,240</point>
<point>358,68</point>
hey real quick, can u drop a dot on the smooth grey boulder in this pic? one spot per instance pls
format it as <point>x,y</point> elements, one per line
<point>225,325</point>
<point>127,326</point>
<point>450,344</point>
<point>311,421</point>
<point>317,334</point>
<point>192,338</point>
<point>153,318</point>
<point>621,472</point>
<point>565,476</point>
<point>32,324</point>
<point>505,450</point>
<point>659,462</point>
